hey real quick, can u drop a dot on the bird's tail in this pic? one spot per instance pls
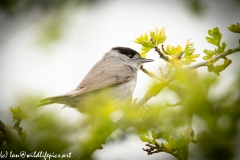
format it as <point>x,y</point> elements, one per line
<point>63,99</point>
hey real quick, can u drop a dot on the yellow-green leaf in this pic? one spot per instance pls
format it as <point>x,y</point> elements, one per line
<point>216,36</point>
<point>219,68</point>
<point>171,50</point>
<point>215,39</point>
<point>145,139</point>
<point>158,36</point>
<point>17,113</point>
<point>234,28</point>
<point>144,51</point>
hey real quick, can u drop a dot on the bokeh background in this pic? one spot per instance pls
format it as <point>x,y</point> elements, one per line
<point>47,47</point>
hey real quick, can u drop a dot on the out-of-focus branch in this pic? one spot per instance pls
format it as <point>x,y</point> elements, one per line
<point>181,151</point>
<point>159,147</point>
<point>12,139</point>
<point>171,105</point>
<point>97,141</point>
<point>150,74</point>
<point>190,129</point>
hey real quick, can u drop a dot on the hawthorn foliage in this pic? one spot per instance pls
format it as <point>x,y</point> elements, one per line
<point>197,115</point>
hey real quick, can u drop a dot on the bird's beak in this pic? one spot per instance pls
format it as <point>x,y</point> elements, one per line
<point>144,60</point>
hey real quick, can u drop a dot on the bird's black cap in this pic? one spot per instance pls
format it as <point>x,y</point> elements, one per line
<point>127,51</point>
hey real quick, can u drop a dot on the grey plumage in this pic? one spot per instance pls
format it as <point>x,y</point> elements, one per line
<point>115,75</point>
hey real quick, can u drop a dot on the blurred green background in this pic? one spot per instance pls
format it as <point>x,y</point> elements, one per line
<point>47,47</point>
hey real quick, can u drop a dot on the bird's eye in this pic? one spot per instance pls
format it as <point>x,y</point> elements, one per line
<point>130,55</point>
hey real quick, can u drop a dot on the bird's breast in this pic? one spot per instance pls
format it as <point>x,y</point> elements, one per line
<point>122,91</point>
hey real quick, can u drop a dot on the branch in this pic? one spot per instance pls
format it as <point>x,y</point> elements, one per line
<point>161,54</point>
<point>97,141</point>
<point>171,105</point>
<point>217,57</point>
<point>150,74</point>
<point>190,129</point>
<point>156,148</point>
<point>12,139</point>
<point>201,64</point>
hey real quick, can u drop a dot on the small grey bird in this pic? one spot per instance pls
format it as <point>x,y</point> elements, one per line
<point>115,75</point>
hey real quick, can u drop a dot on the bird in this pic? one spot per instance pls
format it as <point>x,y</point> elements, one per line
<point>114,77</point>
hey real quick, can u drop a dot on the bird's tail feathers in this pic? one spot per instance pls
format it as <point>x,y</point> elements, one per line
<point>62,99</point>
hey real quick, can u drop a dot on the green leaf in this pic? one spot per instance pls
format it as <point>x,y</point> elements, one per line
<point>216,36</point>
<point>158,36</point>
<point>219,68</point>
<point>156,88</point>
<point>154,135</point>
<point>234,28</point>
<point>147,134</point>
<point>188,53</point>
<point>144,41</point>
<point>145,139</point>
<point>215,39</point>
<point>17,113</point>
<point>144,51</point>
<point>150,41</point>
<point>171,50</point>
<point>184,140</point>
<point>222,48</point>
<point>173,143</point>
<point>209,54</point>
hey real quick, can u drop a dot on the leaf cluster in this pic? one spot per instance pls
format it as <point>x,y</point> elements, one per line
<point>12,138</point>
<point>178,147</point>
<point>151,40</point>
<point>177,56</point>
<point>18,114</point>
<point>214,38</point>
<point>219,68</point>
<point>194,98</point>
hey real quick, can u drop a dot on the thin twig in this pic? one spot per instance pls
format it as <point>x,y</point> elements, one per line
<point>217,57</point>
<point>171,105</point>
<point>190,129</point>
<point>150,74</point>
<point>161,54</point>
<point>180,55</point>
<point>156,148</point>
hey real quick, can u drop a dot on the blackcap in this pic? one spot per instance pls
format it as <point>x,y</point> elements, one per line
<point>115,75</point>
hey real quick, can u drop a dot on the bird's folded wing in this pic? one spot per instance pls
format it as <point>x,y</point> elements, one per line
<point>104,74</point>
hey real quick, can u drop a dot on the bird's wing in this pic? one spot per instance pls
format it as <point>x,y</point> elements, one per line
<point>104,74</point>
